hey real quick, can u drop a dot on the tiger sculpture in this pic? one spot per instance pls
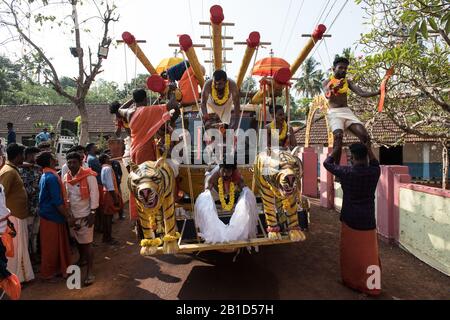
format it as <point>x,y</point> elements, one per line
<point>153,183</point>
<point>278,177</point>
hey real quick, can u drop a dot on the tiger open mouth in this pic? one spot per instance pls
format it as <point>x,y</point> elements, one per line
<point>149,198</point>
<point>288,185</point>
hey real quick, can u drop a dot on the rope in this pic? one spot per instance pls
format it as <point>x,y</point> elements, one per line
<point>126,70</point>
<point>135,66</point>
<point>329,11</point>
<point>321,13</point>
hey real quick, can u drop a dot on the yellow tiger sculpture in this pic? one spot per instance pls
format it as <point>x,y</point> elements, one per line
<point>278,176</point>
<point>152,184</point>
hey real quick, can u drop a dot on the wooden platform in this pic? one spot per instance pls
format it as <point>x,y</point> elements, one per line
<point>197,247</point>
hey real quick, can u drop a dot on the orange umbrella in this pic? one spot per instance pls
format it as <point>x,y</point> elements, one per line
<point>167,63</point>
<point>266,67</point>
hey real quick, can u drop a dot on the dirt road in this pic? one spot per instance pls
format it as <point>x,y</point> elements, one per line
<point>308,270</point>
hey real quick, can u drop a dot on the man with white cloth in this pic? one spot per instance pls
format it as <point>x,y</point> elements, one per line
<point>220,184</point>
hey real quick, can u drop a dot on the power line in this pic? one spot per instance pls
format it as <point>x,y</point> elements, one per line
<point>293,27</point>
<point>285,20</point>
<point>332,6</point>
<point>321,13</point>
<point>329,29</point>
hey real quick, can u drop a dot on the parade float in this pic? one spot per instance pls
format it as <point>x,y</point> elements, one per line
<point>171,223</point>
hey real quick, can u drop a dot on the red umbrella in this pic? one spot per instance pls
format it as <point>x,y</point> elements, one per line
<point>268,66</point>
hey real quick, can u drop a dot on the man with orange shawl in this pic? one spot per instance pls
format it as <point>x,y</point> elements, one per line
<point>144,122</point>
<point>82,192</point>
<point>55,250</point>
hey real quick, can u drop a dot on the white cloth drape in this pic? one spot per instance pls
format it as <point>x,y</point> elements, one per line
<point>242,225</point>
<point>20,264</point>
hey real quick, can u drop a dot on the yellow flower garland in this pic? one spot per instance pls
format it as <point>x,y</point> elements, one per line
<point>334,81</point>
<point>226,206</point>
<point>226,94</point>
<point>283,132</point>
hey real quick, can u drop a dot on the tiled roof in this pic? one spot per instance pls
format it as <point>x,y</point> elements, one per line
<point>25,116</point>
<point>383,131</point>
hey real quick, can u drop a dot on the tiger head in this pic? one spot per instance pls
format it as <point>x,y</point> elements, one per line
<point>146,183</point>
<point>283,172</point>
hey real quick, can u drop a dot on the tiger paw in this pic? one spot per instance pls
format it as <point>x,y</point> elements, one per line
<point>296,235</point>
<point>170,247</point>
<point>150,246</point>
<point>274,235</point>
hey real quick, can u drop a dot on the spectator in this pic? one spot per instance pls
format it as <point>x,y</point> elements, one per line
<point>31,174</point>
<point>118,172</point>
<point>16,201</point>
<point>42,136</point>
<point>93,163</point>
<point>82,192</point>
<point>45,146</point>
<point>11,133</point>
<point>8,281</point>
<point>82,152</point>
<point>112,202</point>
<point>55,250</point>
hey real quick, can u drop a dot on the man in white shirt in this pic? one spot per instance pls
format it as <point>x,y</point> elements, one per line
<point>83,195</point>
<point>78,149</point>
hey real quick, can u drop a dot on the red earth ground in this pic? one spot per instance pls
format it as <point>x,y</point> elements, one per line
<point>307,270</point>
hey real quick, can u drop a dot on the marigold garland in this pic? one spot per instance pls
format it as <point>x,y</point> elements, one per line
<point>225,97</point>
<point>283,132</point>
<point>334,82</point>
<point>226,206</point>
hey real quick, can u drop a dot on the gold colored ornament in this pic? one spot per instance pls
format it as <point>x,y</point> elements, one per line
<point>226,206</point>
<point>226,94</point>
<point>283,132</point>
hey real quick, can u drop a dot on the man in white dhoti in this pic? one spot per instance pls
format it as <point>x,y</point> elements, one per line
<point>222,184</point>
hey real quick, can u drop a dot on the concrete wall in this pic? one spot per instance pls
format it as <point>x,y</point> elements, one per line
<point>425,224</point>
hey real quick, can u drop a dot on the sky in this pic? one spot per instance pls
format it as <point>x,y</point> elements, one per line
<point>280,22</point>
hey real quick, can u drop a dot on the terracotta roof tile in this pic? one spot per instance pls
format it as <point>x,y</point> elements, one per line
<point>25,116</point>
<point>383,131</point>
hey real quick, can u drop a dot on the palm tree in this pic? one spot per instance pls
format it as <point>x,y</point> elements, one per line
<point>310,83</point>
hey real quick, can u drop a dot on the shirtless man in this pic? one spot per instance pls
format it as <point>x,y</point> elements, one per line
<point>340,117</point>
<point>219,94</point>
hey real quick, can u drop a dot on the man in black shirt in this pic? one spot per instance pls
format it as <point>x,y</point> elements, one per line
<point>360,265</point>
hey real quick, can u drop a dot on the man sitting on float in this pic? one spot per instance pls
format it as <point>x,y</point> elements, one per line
<point>219,95</point>
<point>223,184</point>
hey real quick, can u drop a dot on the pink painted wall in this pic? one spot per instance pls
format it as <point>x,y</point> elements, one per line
<point>309,158</point>
<point>388,201</point>
<point>326,182</point>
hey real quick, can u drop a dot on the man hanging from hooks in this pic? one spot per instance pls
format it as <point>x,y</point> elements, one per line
<point>340,116</point>
<point>219,95</point>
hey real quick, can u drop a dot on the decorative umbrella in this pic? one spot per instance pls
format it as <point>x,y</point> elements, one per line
<point>266,67</point>
<point>167,63</point>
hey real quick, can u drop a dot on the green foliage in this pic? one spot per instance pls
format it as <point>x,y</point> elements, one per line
<point>405,36</point>
<point>9,80</point>
<point>310,81</point>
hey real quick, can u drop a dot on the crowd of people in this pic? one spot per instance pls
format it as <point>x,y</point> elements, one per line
<point>53,213</point>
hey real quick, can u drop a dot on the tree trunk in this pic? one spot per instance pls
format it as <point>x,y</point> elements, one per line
<point>84,132</point>
<point>444,163</point>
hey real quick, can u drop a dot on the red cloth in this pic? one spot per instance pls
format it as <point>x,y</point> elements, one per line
<point>55,250</point>
<point>359,250</point>
<point>144,124</point>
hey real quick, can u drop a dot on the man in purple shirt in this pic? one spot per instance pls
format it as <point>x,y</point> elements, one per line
<point>360,265</point>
